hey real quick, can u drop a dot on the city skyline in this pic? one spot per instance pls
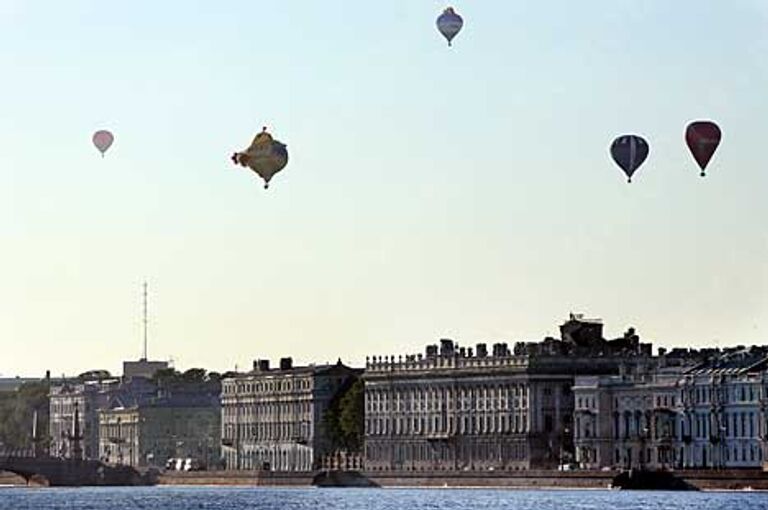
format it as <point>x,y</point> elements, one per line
<point>462,192</point>
<point>248,364</point>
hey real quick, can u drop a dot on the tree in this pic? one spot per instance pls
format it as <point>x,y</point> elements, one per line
<point>17,411</point>
<point>165,376</point>
<point>344,420</point>
<point>192,380</point>
<point>352,416</point>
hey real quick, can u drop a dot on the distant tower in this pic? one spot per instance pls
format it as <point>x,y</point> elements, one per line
<point>143,367</point>
<point>144,352</point>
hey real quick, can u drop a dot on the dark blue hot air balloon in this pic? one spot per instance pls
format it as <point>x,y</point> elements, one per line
<point>449,24</point>
<point>629,152</point>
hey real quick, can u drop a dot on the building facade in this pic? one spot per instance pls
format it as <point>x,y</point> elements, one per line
<point>708,413</point>
<point>148,434</point>
<point>273,418</point>
<point>143,368</point>
<point>626,421</point>
<point>723,411</point>
<point>83,399</point>
<point>455,409</point>
<point>86,398</point>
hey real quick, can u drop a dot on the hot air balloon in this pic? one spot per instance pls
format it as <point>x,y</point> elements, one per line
<point>449,24</point>
<point>266,156</point>
<point>629,152</point>
<point>103,140</point>
<point>702,138</point>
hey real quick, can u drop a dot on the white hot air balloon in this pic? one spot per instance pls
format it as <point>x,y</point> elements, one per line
<point>103,139</point>
<point>449,24</point>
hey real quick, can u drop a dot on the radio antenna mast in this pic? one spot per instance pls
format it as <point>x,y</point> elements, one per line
<point>144,354</point>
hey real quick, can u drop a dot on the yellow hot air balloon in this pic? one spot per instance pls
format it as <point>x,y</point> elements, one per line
<point>266,156</point>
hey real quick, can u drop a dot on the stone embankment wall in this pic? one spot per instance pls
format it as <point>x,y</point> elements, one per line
<point>248,478</point>
<point>519,479</point>
<point>701,479</point>
<point>732,479</point>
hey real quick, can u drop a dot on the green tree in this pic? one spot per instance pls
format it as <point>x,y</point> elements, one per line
<point>344,420</point>
<point>192,380</point>
<point>17,411</point>
<point>352,416</point>
<point>194,375</point>
<point>165,376</point>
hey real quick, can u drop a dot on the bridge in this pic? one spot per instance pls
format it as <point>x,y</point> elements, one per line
<point>58,472</point>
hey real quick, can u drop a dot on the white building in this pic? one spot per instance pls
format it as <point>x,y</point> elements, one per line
<point>722,413</point>
<point>712,414</point>
<point>625,421</point>
<point>273,418</point>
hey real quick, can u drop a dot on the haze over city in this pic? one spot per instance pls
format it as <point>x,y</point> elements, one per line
<point>431,192</point>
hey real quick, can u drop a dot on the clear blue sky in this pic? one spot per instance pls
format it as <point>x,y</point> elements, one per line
<point>431,192</point>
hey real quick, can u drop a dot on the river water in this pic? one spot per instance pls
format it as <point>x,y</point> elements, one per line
<point>205,498</point>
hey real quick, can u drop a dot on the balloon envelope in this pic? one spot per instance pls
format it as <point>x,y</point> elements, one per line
<point>266,156</point>
<point>449,24</point>
<point>702,138</point>
<point>103,140</point>
<point>629,152</point>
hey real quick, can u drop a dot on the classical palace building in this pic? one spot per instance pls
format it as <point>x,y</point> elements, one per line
<point>626,421</point>
<point>709,410</point>
<point>273,418</point>
<point>723,411</point>
<point>455,408</point>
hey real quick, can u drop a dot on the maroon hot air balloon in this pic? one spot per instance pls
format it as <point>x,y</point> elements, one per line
<point>702,138</point>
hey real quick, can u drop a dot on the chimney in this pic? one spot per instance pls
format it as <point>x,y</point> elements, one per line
<point>482,350</point>
<point>261,365</point>
<point>286,363</point>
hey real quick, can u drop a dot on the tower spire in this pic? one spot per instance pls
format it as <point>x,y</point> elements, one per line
<point>144,352</point>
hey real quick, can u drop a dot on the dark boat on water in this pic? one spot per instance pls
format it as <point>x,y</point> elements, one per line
<point>644,480</point>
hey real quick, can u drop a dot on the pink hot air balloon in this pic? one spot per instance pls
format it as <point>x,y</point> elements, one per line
<point>103,140</point>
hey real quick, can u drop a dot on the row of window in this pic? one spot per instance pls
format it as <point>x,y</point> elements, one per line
<point>737,424</point>
<point>504,397</point>
<point>517,424</point>
<point>260,431</point>
<point>730,393</point>
<point>281,460</point>
<point>303,409</point>
<point>400,454</point>
<point>271,385</point>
